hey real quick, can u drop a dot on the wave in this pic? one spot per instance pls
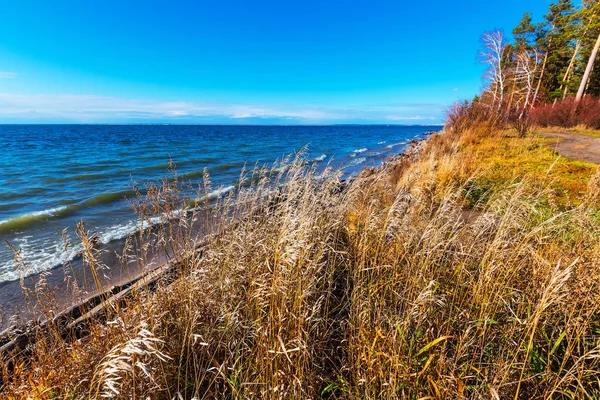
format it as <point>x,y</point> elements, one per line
<point>157,167</point>
<point>121,231</point>
<point>227,166</point>
<point>40,257</point>
<point>105,198</point>
<point>204,161</point>
<point>29,219</point>
<point>391,146</point>
<point>382,142</point>
<point>358,151</point>
<point>191,175</point>
<point>97,166</point>
<point>13,195</point>
<point>320,158</point>
<point>36,258</point>
<point>355,162</point>
<point>10,206</point>
<point>25,220</point>
<point>217,193</point>
<point>134,170</point>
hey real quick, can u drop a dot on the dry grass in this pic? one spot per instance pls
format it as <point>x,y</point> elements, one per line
<point>404,283</point>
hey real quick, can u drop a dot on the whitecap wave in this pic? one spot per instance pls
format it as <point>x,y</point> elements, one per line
<point>121,231</point>
<point>217,193</point>
<point>358,151</point>
<point>355,162</point>
<point>41,255</point>
<point>36,258</point>
<point>33,215</point>
<point>391,146</point>
<point>320,158</point>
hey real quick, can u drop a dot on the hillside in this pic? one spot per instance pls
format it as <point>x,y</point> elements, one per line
<point>468,269</point>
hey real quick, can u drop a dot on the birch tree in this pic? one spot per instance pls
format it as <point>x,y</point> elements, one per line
<point>492,55</point>
<point>588,71</point>
<point>525,75</point>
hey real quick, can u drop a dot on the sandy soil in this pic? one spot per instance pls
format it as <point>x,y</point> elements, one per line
<point>578,147</point>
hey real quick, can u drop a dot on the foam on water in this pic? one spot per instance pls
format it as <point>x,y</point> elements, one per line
<point>391,146</point>
<point>355,162</point>
<point>36,257</point>
<point>24,221</point>
<point>358,151</point>
<point>218,193</point>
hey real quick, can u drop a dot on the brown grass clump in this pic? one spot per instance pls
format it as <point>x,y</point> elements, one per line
<point>402,283</point>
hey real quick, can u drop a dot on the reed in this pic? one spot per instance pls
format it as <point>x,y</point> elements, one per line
<point>412,280</point>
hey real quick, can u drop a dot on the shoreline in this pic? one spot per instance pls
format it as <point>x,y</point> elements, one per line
<point>393,269</point>
<point>118,278</point>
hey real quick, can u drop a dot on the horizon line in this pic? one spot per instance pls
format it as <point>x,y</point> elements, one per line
<point>205,124</point>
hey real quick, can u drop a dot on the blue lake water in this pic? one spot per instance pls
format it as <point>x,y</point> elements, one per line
<point>52,176</point>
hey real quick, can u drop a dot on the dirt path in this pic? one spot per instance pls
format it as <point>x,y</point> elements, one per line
<point>578,147</point>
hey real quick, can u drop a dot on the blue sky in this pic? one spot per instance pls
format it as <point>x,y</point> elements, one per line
<point>223,61</point>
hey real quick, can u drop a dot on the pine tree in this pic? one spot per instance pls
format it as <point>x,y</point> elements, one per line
<point>560,24</point>
<point>590,15</point>
<point>525,33</point>
<point>546,61</point>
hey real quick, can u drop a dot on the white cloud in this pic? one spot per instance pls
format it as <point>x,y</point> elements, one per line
<point>91,108</point>
<point>415,118</point>
<point>7,75</point>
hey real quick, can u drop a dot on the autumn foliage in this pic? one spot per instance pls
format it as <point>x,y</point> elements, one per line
<point>564,114</point>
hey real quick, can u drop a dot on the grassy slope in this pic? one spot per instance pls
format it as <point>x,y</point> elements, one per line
<point>510,157</point>
<point>472,271</point>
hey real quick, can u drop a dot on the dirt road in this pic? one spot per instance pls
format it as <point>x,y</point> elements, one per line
<point>577,147</point>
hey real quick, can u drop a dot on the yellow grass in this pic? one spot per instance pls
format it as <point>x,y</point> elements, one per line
<point>508,158</point>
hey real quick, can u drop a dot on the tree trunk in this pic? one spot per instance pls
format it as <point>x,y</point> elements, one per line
<point>537,89</point>
<point>588,71</point>
<point>514,86</point>
<point>567,76</point>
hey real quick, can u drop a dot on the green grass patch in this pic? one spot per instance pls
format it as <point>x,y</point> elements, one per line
<point>509,158</point>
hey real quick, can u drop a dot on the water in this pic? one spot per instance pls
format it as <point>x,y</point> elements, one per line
<point>52,176</point>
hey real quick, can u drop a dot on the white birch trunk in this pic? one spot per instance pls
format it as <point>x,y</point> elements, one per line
<point>588,71</point>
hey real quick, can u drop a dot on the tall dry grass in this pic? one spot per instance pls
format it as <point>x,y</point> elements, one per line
<point>392,285</point>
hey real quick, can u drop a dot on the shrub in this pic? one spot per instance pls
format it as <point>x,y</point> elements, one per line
<point>473,116</point>
<point>561,113</point>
